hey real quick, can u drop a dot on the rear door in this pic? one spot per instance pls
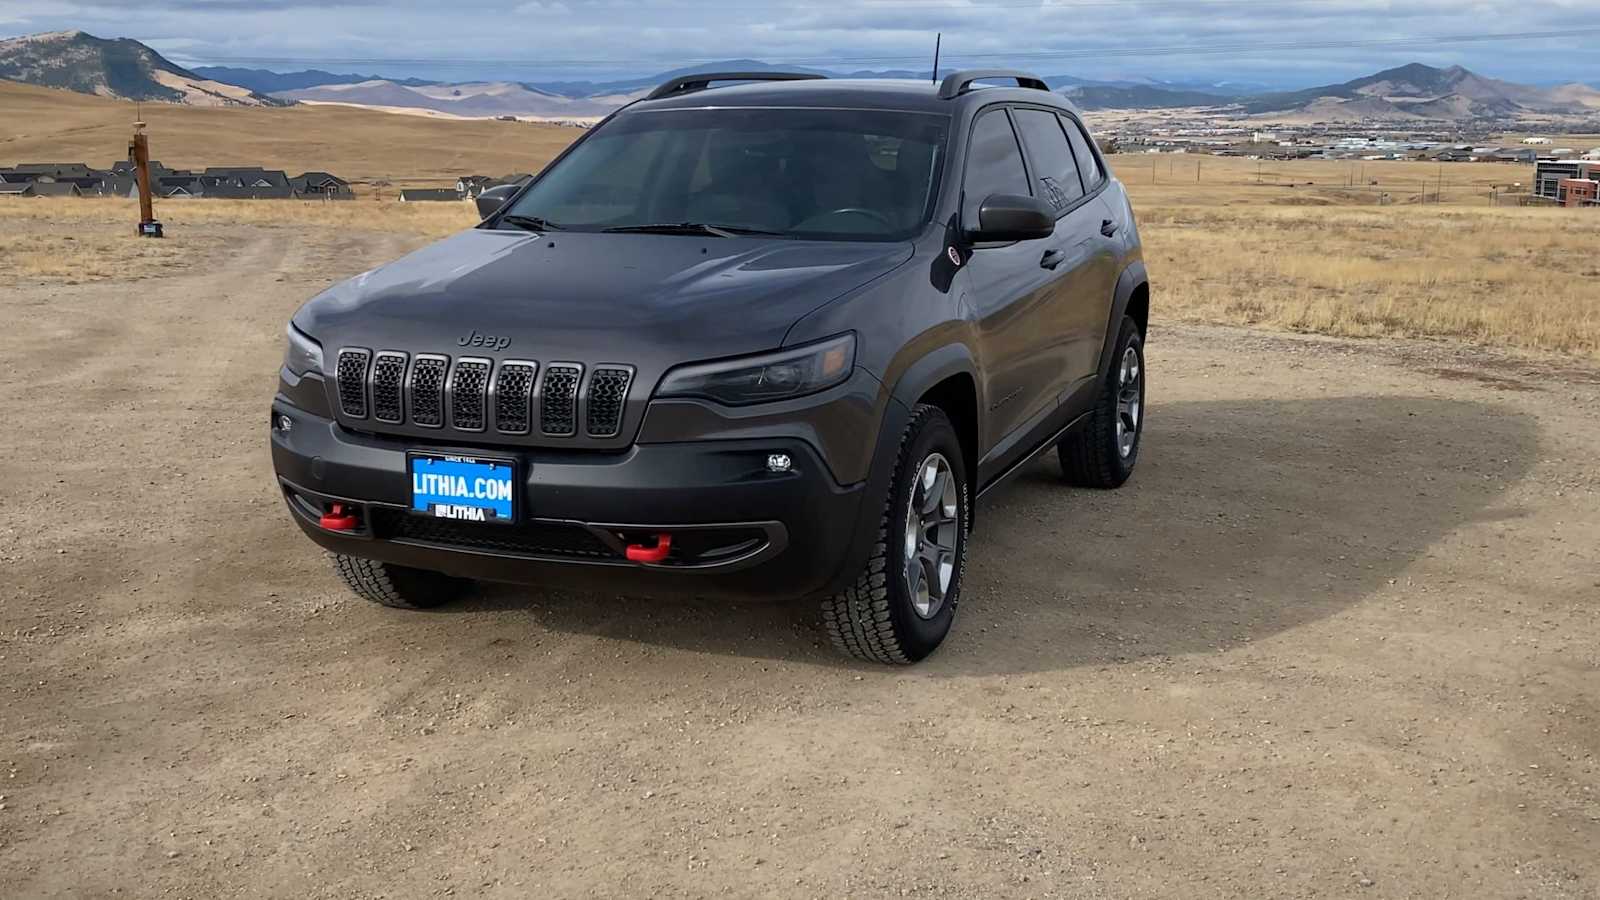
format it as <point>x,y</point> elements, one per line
<point>1097,228</point>
<point>1011,297</point>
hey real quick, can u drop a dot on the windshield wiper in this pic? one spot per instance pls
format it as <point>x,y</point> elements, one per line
<point>530,223</point>
<point>691,228</point>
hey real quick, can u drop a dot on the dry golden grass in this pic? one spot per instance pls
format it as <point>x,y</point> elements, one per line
<point>44,125</point>
<point>1509,277</point>
<point>1313,258</point>
<point>1188,179</point>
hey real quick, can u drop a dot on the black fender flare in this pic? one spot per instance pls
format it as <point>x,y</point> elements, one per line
<point>954,358</point>
<point>1130,279</point>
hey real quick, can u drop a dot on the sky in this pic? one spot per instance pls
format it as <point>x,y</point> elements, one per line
<point>1276,43</point>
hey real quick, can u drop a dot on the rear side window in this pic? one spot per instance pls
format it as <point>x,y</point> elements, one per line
<point>1055,175</point>
<point>1088,165</point>
<point>994,163</point>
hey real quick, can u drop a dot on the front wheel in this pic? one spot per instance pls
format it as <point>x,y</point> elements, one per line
<point>1102,452</point>
<point>902,604</point>
<point>401,587</point>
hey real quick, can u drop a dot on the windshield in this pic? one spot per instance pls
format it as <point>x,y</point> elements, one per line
<point>829,174</point>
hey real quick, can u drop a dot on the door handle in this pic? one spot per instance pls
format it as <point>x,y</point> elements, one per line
<point>1052,258</point>
<point>1108,228</point>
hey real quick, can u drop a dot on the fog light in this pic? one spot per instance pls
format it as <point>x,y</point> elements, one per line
<point>779,462</point>
<point>285,424</point>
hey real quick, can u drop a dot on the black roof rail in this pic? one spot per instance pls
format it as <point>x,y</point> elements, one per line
<point>957,83</point>
<point>686,84</point>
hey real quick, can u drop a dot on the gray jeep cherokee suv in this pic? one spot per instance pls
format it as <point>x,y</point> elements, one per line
<point>766,339</point>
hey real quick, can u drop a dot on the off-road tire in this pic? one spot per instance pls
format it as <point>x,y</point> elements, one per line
<point>397,586</point>
<point>1090,455</point>
<point>874,618</point>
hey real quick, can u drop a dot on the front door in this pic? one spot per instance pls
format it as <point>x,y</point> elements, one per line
<point>1011,293</point>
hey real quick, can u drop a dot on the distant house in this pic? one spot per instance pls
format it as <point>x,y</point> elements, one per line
<point>246,177</point>
<point>113,185</point>
<point>414,195</point>
<point>316,185</point>
<point>40,189</point>
<point>56,189</point>
<point>473,185</point>
<point>180,186</point>
<point>51,171</point>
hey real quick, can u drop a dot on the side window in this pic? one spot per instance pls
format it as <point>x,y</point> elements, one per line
<point>994,163</point>
<point>1055,176</point>
<point>1088,164</point>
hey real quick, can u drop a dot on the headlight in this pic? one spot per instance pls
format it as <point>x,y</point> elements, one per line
<point>770,376</point>
<point>304,355</point>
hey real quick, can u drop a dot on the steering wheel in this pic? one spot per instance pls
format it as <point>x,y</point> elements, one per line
<point>872,214</point>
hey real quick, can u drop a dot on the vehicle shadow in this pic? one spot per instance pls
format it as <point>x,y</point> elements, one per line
<point>1245,519</point>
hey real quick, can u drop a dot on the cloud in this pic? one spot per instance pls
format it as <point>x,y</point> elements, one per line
<point>544,39</point>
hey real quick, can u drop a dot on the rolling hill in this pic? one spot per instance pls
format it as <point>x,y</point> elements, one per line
<point>51,125</point>
<point>122,68</point>
<point>1417,91</point>
<point>472,100</point>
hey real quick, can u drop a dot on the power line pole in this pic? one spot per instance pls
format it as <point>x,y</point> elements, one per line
<point>139,154</point>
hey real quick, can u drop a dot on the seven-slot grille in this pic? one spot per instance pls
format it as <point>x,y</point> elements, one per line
<point>515,397</point>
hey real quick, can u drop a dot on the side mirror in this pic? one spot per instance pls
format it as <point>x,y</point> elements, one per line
<point>1013,217</point>
<point>492,199</point>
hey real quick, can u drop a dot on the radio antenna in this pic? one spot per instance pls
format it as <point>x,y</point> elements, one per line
<point>937,39</point>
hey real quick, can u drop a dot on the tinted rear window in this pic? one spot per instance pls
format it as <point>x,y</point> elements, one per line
<point>1055,175</point>
<point>1088,165</point>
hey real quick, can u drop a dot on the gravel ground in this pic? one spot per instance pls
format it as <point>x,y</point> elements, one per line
<point>1337,638</point>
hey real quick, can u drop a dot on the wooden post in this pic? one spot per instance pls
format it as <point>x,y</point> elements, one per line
<point>139,151</point>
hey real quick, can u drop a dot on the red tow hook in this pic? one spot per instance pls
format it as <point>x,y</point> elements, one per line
<point>338,519</point>
<point>640,553</point>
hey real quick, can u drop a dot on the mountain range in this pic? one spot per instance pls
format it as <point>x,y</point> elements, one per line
<point>128,69</point>
<point>121,68</point>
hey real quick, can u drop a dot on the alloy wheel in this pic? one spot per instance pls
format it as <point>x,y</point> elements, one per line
<point>1130,400</point>
<point>932,527</point>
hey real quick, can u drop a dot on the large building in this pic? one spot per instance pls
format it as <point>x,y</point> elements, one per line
<point>1568,182</point>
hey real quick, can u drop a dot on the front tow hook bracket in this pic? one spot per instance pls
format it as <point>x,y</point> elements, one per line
<point>642,553</point>
<point>338,518</point>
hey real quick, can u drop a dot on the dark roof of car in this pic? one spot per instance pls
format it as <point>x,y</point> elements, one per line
<point>858,93</point>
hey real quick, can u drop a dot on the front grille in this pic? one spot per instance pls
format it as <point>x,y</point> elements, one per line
<point>608,394</point>
<point>352,377</point>
<point>558,410</point>
<point>514,397</point>
<point>388,387</point>
<point>427,390</point>
<point>529,539</point>
<point>469,391</point>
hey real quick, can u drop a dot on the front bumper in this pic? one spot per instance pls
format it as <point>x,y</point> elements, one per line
<point>739,530</point>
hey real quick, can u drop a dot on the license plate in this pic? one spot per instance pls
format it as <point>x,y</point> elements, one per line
<point>463,488</point>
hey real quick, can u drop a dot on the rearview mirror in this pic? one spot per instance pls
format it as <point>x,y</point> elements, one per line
<point>1013,217</point>
<point>492,199</point>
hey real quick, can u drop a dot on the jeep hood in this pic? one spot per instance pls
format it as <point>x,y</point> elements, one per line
<point>650,300</point>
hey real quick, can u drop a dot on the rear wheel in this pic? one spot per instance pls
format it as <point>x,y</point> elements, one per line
<point>1102,453</point>
<point>397,586</point>
<point>902,604</point>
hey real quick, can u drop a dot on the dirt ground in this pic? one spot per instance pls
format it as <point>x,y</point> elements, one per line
<point>1337,638</point>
